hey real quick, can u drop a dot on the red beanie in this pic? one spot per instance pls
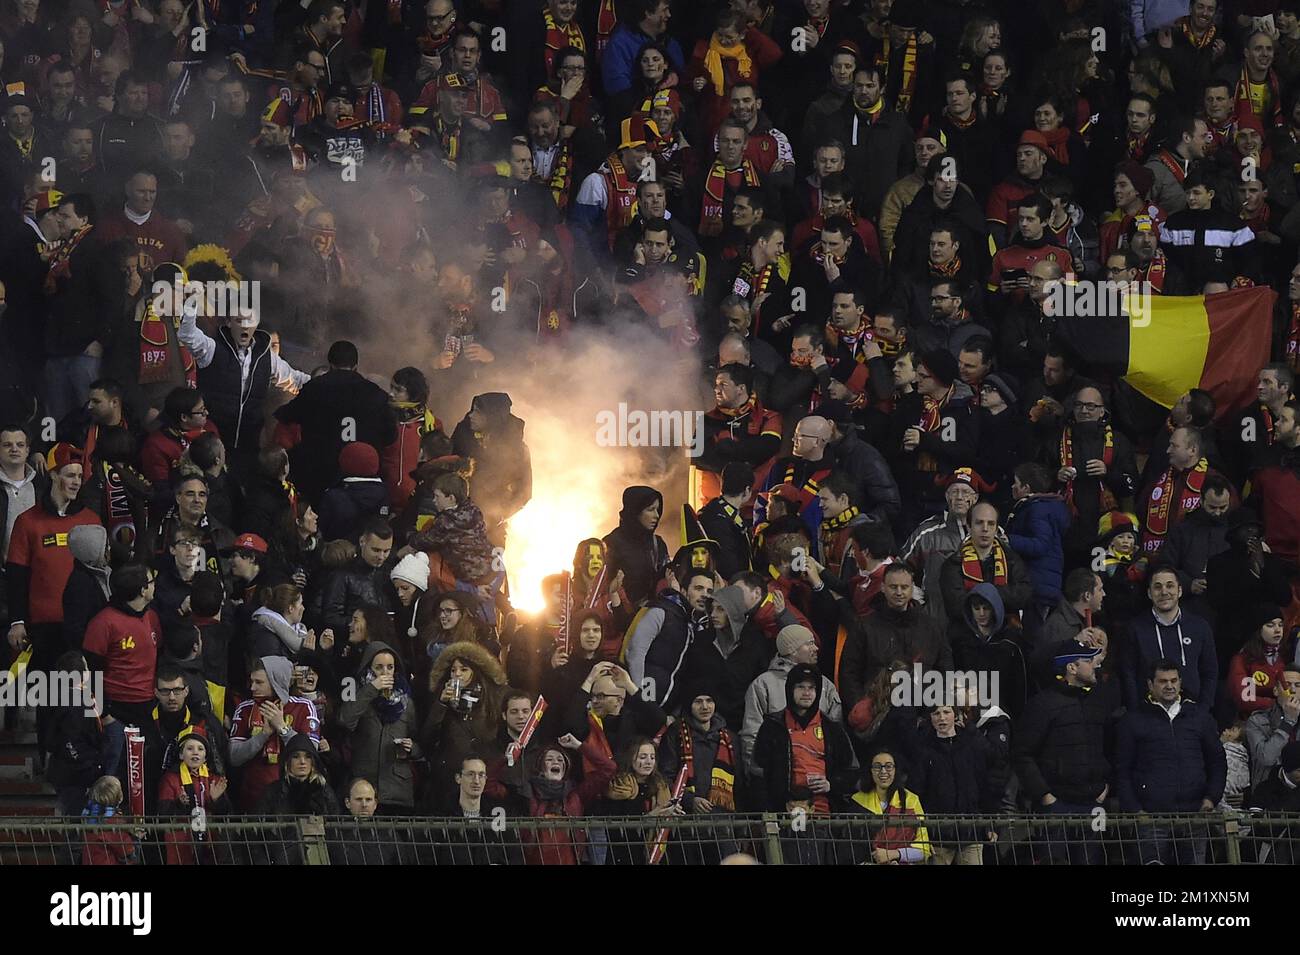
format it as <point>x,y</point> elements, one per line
<point>358,459</point>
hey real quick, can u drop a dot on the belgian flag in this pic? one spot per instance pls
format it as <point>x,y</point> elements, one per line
<point>1167,344</point>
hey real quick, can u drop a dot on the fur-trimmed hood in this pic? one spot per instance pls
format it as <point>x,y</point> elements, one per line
<point>485,666</point>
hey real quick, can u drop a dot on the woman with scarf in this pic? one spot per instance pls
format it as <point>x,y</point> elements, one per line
<point>552,791</point>
<point>732,54</point>
<point>408,395</point>
<point>467,684</point>
<point>999,103</point>
<point>1255,672</point>
<point>634,549</point>
<point>184,418</point>
<point>277,629</point>
<point>654,73</point>
<point>302,790</point>
<point>383,722</point>
<point>902,839</point>
<point>458,618</point>
<point>186,789</point>
<point>1065,147</point>
<point>637,789</point>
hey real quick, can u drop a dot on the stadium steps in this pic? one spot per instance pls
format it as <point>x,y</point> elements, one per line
<point>23,792</point>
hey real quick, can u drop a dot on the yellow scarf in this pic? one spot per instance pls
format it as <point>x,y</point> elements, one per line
<point>713,63</point>
<point>187,779</point>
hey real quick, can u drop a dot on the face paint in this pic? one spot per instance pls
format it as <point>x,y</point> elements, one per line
<point>594,561</point>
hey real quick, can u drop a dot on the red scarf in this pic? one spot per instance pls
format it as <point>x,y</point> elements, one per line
<point>1107,457</point>
<point>117,507</point>
<point>606,20</point>
<point>949,271</point>
<point>155,357</point>
<point>61,259</point>
<point>1058,145</point>
<point>1198,43</point>
<point>1159,508</point>
<point>721,786</point>
<point>1137,146</point>
<point>1242,96</point>
<point>1155,272</point>
<point>561,181</point>
<point>558,37</point>
<point>1293,338</point>
<point>715,187</point>
<point>931,420</point>
<point>972,568</point>
<point>620,208</point>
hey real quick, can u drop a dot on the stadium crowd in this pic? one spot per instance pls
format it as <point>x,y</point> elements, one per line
<point>854,217</point>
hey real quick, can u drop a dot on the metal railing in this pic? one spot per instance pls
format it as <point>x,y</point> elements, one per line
<point>776,839</point>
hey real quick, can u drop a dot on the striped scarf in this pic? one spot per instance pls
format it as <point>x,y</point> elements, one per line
<point>715,187</point>
<point>606,20</point>
<point>722,779</point>
<point>1107,457</point>
<point>1160,504</point>
<point>558,37</point>
<point>972,568</point>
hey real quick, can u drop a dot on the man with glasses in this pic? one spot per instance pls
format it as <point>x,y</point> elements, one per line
<point>1097,469</point>
<point>190,513</point>
<point>430,51</point>
<point>610,711</point>
<point>184,418</point>
<point>949,324</point>
<point>176,576</point>
<point>322,32</point>
<point>173,715</point>
<point>484,110</point>
<point>807,466</point>
<point>938,537</point>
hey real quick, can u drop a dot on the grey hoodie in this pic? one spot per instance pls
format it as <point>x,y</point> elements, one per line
<point>279,671</point>
<point>766,695</point>
<point>732,600</point>
<point>88,543</point>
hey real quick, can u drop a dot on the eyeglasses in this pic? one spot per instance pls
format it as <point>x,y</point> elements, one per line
<point>475,774</point>
<point>449,611</point>
<point>187,542</point>
<point>435,18</point>
<point>1088,406</point>
<point>941,298</point>
<point>198,413</point>
<point>608,696</point>
<point>882,767</point>
<point>173,690</point>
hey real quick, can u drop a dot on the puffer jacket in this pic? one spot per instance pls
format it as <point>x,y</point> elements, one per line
<point>375,755</point>
<point>449,734</point>
<point>1060,743</point>
<point>658,642</point>
<point>1168,765</point>
<point>347,588</point>
<point>952,775</point>
<point>1036,529</point>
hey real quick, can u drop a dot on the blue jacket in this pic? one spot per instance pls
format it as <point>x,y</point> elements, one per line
<point>1035,529</point>
<point>618,65</point>
<point>1148,16</point>
<point>1168,765</point>
<point>1188,641</point>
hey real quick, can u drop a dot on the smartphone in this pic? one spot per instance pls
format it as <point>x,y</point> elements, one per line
<point>1014,275</point>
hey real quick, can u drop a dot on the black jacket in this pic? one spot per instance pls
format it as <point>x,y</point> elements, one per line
<point>1060,743</point>
<point>876,485</point>
<point>82,599</point>
<point>952,775</point>
<point>773,748</point>
<point>237,407</point>
<point>1168,765</point>
<point>350,587</point>
<point>724,524</point>
<point>84,299</point>
<point>322,409</point>
<point>348,504</point>
<point>912,636</point>
<point>640,554</point>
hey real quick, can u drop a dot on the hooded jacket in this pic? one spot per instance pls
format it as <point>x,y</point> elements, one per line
<point>87,592</point>
<point>375,755</point>
<point>766,695</point>
<point>640,554</point>
<point>724,662</point>
<point>291,797</point>
<point>450,734</point>
<point>773,749</point>
<point>999,653</point>
<point>502,479</point>
<point>1168,763</point>
<point>251,739</point>
<point>272,635</point>
<point>1036,529</point>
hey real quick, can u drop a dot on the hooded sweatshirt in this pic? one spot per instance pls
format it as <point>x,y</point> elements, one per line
<point>257,747</point>
<point>766,695</point>
<point>272,634</point>
<point>375,720</point>
<point>639,553</point>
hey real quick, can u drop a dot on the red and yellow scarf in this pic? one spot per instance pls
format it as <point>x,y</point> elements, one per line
<point>61,259</point>
<point>907,82</point>
<point>606,20</point>
<point>1198,42</point>
<point>1160,504</point>
<point>972,568</point>
<point>1242,96</point>
<point>1107,457</point>
<point>558,36</point>
<point>715,187</point>
<point>722,780</point>
<point>620,207</point>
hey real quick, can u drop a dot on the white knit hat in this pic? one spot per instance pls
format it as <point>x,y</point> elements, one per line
<point>414,569</point>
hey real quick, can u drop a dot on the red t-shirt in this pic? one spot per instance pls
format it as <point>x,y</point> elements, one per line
<point>129,645</point>
<point>39,542</point>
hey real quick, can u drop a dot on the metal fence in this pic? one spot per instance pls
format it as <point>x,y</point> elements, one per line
<point>779,839</point>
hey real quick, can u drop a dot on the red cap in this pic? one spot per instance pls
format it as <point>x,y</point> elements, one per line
<point>1032,137</point>
<point>63,454</point>
<point>250,542</point>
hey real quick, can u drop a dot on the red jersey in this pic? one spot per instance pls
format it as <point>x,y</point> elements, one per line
<point>157,240</point>
<point>264,769</point>
<point>39,544</point>
<point>1026,257</point>
<point>1005,199</point>
<point>128,642</point>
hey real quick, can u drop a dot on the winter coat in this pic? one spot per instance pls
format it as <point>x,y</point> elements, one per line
<point>345,506</point>
<point>725,666</point>
<point>1267,732</point>
<point>319,408</point>
<point>502,479</point>
<point>876,484</point>
<point>766,695</point>
<point>76,747</point>
<point>1017,594</point>
<point>1188,549</point>
<point>1001,652</point>
<point>398,461</point>
<point>265,502</point>
<point>934,541</point>
<point>1060,743</point>
<point>270,635</point>
<point>640,554</point>
<point>888,635</point>
<point>347,588</point>
<point>952,775</point>
<point>1187,641</point>
<point>1165,764</point>
<point>375,755</point>
<point>774,758</point>
<point>1036,529</point>
<point>83,597</point>
<point>459,536</point>
<point>450,734</point>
